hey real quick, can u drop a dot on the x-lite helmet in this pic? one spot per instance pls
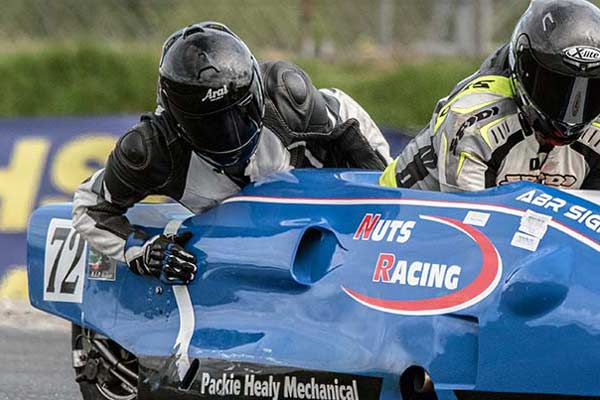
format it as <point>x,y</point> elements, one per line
<point>210,82</point>
<point>555,61</point>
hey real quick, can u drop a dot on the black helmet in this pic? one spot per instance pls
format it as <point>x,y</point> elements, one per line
<point>211,84</point>
<point>555,60</point>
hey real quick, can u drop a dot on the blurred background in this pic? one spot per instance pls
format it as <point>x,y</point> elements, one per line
<point>396,57</point>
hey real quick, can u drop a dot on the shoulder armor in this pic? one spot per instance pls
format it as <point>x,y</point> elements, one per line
<point>133,148</point>
<point>291,96</point>
<point>141,159</point>
<point>492,124</point>
<point>479,93</point>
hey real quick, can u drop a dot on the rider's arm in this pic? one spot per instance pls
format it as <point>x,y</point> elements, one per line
<point>100,203</point>
<point>459,153</point>
<point>343,107</point>
<point>463,163</point>
<point>324,119</point>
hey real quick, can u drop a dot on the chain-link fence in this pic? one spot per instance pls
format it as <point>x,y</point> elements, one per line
<point>336,29</point>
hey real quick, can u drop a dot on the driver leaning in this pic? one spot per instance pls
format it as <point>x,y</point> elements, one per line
<point>223,121</point>
<point>527,114</point>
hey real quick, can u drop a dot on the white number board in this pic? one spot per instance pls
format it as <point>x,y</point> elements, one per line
<point>64,262</point>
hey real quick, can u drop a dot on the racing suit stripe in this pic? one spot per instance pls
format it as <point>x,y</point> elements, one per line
<point>416,170</point>
<point>388,178</point>
<point>499,155</point>
<point>484,130</point>
<point>98,225</point>
<point>461,160</point>
<point>476,107</point>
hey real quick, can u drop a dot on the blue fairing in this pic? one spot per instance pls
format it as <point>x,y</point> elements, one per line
<point>324,270</point>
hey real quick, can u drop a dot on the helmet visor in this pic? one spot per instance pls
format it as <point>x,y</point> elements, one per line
<point>570,100</point>
<point>225,137</point>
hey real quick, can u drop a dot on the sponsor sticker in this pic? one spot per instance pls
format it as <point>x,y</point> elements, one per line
<point>218,379</point>
<point>525,241</point>
<point>101,267</point>
<point>477,218</point>
<point>430,286</point>
<point>582,54</point>
<point>535,224</point>
<point>532,228</point>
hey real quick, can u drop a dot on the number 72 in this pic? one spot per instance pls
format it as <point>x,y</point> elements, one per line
<point>64,265</point>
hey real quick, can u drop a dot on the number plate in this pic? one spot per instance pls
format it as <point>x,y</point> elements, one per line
<point>64,262</point>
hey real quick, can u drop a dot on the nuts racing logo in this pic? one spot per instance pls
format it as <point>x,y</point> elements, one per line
<point>440,288</point>
<point>372,227</point>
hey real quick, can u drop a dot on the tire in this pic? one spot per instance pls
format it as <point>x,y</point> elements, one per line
<point>95,391</point>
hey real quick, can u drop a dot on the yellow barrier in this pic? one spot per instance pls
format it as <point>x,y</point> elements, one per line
<point>14,285</point>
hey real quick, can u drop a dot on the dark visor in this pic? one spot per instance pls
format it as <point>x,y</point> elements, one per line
<point>226,137</point>
<point>570,100</point>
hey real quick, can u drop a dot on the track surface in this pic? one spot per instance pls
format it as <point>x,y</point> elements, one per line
<point>35,365</point>
<point>35,356</point>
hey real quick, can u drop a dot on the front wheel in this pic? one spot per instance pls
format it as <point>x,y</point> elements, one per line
<point>103,369</point>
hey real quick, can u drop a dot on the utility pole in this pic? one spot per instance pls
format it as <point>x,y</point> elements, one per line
<point>386,25</point>
<point>307,42</point>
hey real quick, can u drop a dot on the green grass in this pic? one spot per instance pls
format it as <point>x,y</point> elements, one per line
<point>79,80</point>
<point>403,95</point>
<point>86,79</point>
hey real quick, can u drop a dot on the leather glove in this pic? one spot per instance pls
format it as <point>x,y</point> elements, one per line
<point>162,257</point>
<point>350,149</point>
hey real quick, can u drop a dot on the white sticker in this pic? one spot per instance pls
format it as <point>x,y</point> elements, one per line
<point>476,218</point>
<point>525,241</point>
<point>535,224</point>
<point>64,262</point>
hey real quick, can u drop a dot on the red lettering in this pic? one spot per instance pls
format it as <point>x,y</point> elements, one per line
<point>385,262</point>
<point>366,226</point>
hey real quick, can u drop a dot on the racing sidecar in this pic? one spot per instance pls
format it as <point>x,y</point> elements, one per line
<point>323,285</point>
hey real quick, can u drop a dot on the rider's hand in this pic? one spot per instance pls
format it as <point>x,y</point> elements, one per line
<point>161,256</point>
<point>350,149</point>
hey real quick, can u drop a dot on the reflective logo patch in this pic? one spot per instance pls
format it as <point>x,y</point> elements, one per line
<point>582,56</point>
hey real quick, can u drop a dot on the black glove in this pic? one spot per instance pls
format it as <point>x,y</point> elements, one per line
<point>161,256</point>
<point>348,148</point>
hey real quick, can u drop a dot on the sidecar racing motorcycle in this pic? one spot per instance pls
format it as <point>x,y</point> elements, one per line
<point>319,284</point>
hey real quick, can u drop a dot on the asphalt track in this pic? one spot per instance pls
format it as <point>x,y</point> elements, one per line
<point>34,357</point>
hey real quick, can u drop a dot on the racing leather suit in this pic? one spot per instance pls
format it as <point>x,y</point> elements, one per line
<point>152,158</point>
<point>477,139</point>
